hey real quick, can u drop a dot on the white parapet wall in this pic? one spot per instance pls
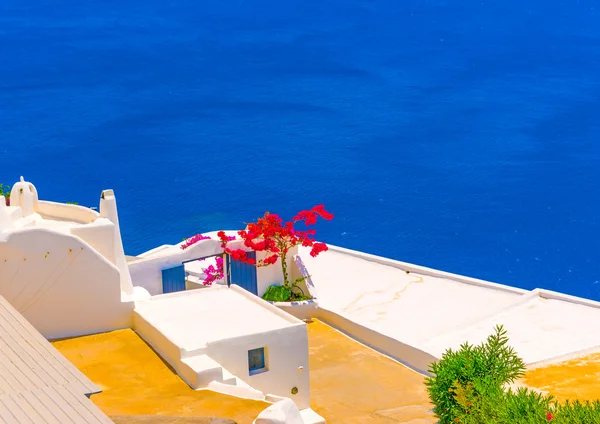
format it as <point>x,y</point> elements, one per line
<point>99,230</point>
<point>146,271</point>
<point>66,212</point>
<point>413,313</point>
<point>60,284</point>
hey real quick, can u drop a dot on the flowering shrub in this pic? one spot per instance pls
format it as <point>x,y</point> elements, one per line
<point>467,386</point>
<point>214,273</point>
<point>271,235</point>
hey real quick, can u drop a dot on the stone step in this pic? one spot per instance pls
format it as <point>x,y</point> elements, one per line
<point>205,370</point>
<point>229,378</point>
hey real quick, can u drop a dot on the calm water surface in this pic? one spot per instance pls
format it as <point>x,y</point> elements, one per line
<point>461,135</point>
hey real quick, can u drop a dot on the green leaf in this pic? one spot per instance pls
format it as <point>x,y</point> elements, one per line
<point>277,294</point>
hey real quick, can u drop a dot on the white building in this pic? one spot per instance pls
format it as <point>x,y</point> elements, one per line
<point>63,267</point>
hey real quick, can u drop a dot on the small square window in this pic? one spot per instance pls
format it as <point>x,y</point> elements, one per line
<point>256,360</point>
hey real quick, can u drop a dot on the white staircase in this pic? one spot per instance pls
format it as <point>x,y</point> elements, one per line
<point>203,372</point>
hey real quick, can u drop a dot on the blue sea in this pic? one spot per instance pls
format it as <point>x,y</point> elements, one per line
<point>461,135</point>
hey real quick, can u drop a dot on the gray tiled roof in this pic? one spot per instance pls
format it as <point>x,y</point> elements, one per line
<point>56,405</point>
<point>37,383</point>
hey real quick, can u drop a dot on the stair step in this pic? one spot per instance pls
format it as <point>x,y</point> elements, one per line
<point>193,279</point>
<point>196,269</point>
<point>311,417</point>
<point>199,275</point>
<point>229,378</point>
<point>205,368</point>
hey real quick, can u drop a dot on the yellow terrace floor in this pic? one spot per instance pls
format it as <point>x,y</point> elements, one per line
<point>571,379</point>
<point>350,383</point>
<point>135,381</point>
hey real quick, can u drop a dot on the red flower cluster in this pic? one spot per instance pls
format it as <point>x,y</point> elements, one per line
<point>224,238</point>
<point>310,217</point>
<point>271,235</point>
<point>549,416</point>
<point>318,248</point>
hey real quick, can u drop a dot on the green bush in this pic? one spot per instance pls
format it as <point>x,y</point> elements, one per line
<point>473,371</point>
<point>277,294</point>
<point>5,191</point>
<point>577,413</point>
<point>468,386</point>
<point>525,406</point>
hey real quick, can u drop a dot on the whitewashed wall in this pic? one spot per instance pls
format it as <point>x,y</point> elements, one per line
<point>147,272</point>
<point>60,283</point>
<point>286,356</point>
<point>63,211</point>
<point>272,274</point>
<point>100,235</point>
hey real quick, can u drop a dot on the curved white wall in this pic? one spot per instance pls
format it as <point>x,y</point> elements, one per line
<point>60,283</point>
<point>63,211</point>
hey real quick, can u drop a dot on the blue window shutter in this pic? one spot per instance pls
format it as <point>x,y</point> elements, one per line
<point>173,279</point>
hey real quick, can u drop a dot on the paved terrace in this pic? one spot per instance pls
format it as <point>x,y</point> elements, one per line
<point>135,381</point>
<point>350,383</point>
<point>429,311</point>
<point>570,379</point>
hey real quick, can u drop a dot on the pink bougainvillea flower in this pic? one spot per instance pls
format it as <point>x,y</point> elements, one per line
<point>193,240</point>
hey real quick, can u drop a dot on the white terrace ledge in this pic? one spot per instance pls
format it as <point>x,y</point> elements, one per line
<point>415,316</point>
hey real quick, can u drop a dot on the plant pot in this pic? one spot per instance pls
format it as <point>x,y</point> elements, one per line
<point>303,309</point>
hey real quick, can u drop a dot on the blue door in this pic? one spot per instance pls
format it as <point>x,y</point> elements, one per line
<point>243,274</point>
<point>173,279</point>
